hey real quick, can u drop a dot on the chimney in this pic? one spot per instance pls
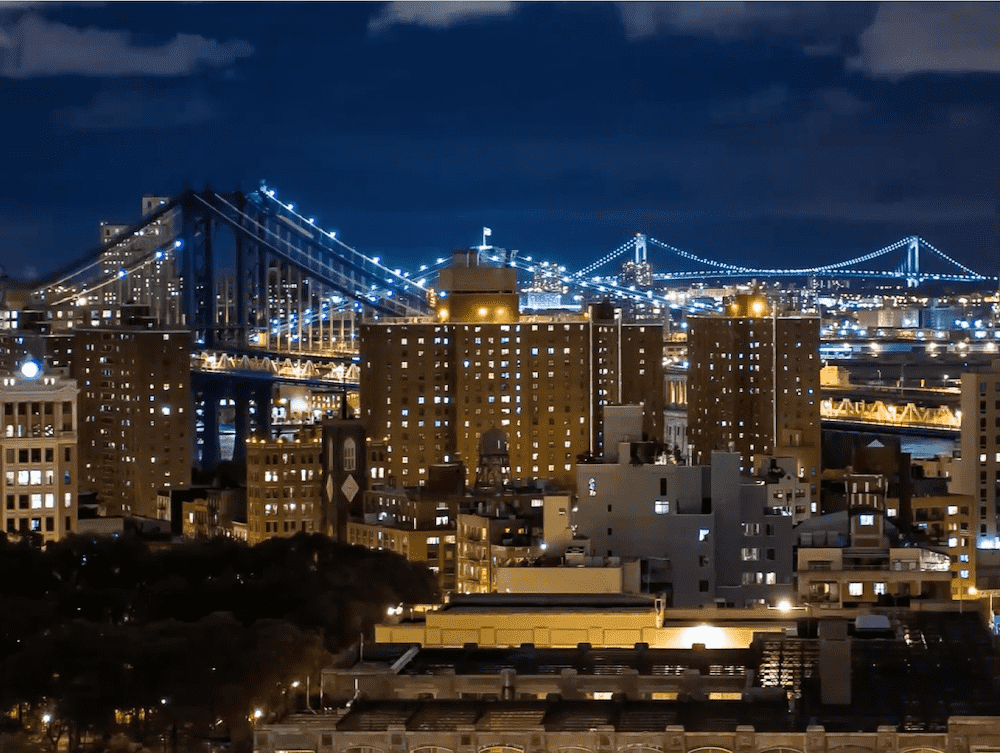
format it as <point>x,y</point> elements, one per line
<point>834,662</point>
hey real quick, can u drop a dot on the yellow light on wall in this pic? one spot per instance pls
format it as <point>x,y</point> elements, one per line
<point>482,311</point>
<point>758,307</point>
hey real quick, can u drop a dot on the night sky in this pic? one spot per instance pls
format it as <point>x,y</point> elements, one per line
<point>777,134</point>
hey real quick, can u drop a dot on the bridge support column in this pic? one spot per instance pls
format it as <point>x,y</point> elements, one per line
<point>210,450</point>
<point>262,417</point>
<point>240,425</point>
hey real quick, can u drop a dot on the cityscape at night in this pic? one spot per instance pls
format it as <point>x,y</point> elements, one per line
<point>500,377</point>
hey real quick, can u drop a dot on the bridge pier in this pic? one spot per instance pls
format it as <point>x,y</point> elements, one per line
<point>207,405</point>
<point>252,398</point>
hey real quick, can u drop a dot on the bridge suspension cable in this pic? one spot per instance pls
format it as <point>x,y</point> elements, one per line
<point>692,257</point>
<point>398,276</point>
<point>948,258</point>
<point>605,259</point>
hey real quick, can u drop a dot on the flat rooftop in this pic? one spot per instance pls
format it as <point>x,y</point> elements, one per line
<point>562,716</point>
<point>930,666</point>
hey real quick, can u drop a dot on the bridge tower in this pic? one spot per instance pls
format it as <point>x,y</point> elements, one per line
<point>637,272</point>
<point>912,266</point>
<point>640,248</point>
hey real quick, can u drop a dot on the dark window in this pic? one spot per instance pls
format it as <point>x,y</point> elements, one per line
<point>663,486</point>
<point>703,586</point>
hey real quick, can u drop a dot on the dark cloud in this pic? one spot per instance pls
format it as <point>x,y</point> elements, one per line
<point>909,38</point>
<point>34,47</point>
<point>438,15</point>
<point>724,19</point>
<point>139,109</point>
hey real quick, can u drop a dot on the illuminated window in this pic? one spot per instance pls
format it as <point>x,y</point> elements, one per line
<point>661,506</point>
<point>866,519</point>
<point>703,534</point>
<point>591,486</point>
<point>855,589</point>
<point>349,455</point>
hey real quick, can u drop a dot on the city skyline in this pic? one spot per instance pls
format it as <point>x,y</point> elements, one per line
<point>736,131</point>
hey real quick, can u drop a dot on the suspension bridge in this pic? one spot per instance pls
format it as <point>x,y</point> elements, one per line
<point>913,260</point>
<point>270,296</point>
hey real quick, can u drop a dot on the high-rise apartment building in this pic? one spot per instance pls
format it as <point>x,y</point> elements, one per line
<point>753,385</point>
<point>141,268</point>
<point>38,451</point>
<point>979,476</point>
<point>135,397</point>
<point>284,479</point>
<point>431,386</point>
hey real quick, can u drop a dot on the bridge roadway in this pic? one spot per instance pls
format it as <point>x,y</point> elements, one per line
<point>931,409</point>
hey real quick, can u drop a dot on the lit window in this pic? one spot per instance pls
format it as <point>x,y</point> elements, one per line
<point>703,534</point>
<point>953,509</point>
<point>591,486</point>
<point>963,573</point>
<point>349,453</point>
<point>855,589</point>
<point>866,519</point>
<point>661,506</point>
<point>879,588</point>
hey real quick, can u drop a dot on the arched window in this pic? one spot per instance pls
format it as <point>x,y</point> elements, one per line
<point>350,455</point>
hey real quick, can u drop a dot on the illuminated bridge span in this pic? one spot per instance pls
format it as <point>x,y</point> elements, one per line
<point>912,259</point>
<point>299,371</point>
<point>879,413</point>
